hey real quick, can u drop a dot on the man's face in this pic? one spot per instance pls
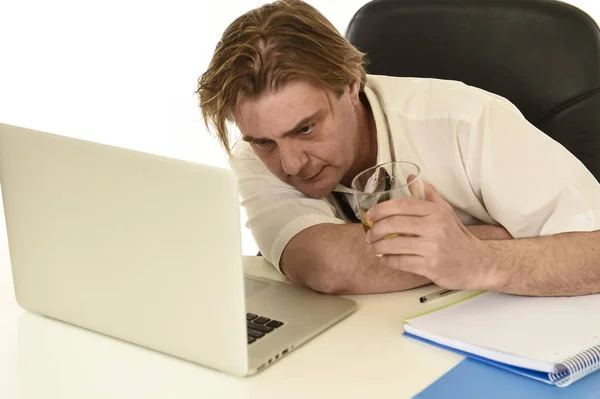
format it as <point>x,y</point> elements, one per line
<point>302,138</point>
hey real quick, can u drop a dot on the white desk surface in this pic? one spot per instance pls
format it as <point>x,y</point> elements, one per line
<point>365,356</point>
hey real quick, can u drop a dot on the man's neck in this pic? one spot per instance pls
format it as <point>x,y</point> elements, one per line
<point>366,151</point>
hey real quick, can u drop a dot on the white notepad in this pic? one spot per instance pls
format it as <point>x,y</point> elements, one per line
<point>553,339</point>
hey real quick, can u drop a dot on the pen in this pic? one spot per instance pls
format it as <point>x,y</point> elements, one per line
<point>435,295</point>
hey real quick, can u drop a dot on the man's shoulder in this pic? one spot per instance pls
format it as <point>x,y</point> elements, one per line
<point>244,160</point>
<point>404,86</point>
<point>430,97</point>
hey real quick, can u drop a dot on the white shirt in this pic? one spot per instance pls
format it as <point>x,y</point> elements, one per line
<point>474,147</point>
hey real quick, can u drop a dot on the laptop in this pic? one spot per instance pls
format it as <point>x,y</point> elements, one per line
<point>146,249</point>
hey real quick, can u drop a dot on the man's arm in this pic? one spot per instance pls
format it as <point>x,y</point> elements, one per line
<point>336,259</point>
<point>427,238</point>
<point>562,264</point>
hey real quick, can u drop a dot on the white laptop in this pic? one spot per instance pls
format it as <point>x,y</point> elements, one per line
<point>146,249</point>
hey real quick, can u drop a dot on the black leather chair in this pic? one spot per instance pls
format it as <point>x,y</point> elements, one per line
<point>542,55</point>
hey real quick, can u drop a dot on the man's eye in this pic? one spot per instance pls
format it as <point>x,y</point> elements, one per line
<point>306,129</point>
<point>263,143</point>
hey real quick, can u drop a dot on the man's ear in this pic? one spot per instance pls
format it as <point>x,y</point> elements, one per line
<point>353,92</point>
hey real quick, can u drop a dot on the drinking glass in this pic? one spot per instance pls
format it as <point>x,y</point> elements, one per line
<point>385,182</point>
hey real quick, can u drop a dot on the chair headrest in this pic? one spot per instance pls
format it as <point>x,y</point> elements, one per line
<point>540,54</point>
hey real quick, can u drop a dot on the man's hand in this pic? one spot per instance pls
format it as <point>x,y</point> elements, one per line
<point>428,239</point>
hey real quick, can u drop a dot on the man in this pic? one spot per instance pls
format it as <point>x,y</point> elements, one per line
<point>507,208</point>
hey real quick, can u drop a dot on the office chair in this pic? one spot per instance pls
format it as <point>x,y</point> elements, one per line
<point>542,55</point>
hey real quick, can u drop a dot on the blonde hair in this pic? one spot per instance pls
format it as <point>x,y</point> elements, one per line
<point>269,46</point>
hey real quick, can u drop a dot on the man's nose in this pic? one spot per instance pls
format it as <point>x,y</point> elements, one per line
<point>293,158</point>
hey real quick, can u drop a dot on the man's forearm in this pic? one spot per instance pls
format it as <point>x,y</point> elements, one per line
<point>559,265</point>
<point>335,259</point>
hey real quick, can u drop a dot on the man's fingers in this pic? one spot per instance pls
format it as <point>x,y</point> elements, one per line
<point>416,187</point>
<point>396,224</point>
<point>400,245</point>
<point>400,206</point>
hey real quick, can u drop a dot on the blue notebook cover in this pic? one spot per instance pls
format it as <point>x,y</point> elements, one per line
<point>474,379</point>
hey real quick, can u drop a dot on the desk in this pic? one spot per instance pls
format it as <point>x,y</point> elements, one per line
<point>365,356</point>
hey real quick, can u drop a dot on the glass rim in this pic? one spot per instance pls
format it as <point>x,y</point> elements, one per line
<point>361,192</point>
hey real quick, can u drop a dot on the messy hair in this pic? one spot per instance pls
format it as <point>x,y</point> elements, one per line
<point>268,47</point>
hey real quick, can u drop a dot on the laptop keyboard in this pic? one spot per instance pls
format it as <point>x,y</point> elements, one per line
<point>259,326</point>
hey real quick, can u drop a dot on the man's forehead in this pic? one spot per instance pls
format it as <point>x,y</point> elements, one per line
<point>291,95</point>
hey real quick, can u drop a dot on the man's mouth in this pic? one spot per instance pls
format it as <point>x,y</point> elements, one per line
<point>313,176</point>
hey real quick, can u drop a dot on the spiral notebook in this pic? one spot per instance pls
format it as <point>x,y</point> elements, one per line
<point>551,339</point>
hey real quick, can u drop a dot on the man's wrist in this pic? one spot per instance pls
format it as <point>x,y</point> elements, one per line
<point>493,255</point>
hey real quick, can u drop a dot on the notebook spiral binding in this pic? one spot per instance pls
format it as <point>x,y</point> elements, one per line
<point>576,367</point>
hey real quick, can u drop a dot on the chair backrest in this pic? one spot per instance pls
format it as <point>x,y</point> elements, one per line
<point>542,55</point>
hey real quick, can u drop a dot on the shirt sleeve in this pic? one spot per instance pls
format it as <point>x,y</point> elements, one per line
<point>276,211</point>
<point>527,181</point>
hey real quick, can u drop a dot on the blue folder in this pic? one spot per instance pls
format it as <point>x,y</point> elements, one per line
<point>474,379</point>
<point>478,377</point>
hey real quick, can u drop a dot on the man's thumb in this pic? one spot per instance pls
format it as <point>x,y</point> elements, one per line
<point>432,195</point>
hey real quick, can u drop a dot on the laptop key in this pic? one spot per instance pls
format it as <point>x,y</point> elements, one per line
<point>251,316</point>
<point>259,327</point>
<point>261,320</point>
<point>255,334</point>
<point>251,339</point>
<point>274,324</point>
